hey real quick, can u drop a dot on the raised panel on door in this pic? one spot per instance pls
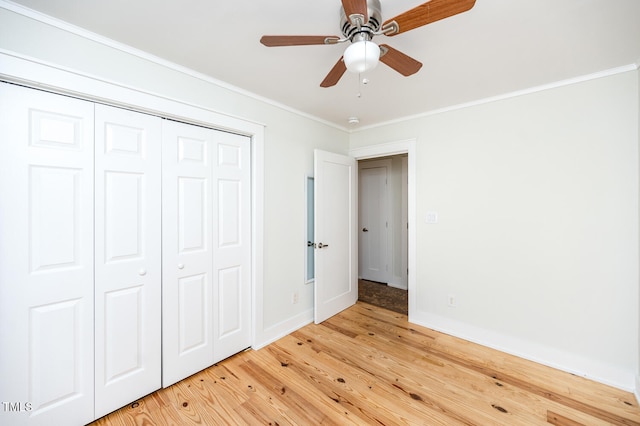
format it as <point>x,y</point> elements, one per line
<point>187,344</point>
<point>127,256</point>
<point>231,244</point>
<point>46,258</point>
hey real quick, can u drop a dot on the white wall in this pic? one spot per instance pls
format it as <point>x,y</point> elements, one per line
<point>288,161</point>
<point>537,197</point>
<point>289,140</point>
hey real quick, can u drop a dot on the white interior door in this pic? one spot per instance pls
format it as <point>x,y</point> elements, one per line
<point>231,235</point>
<point>127,257</point>
<point>187,250</point>
<point>374,212</point>
<point>206,248</point>
<point>336,253</point>
<point>46,258</point>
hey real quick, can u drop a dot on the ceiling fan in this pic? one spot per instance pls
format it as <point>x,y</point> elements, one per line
<point>360,21</point>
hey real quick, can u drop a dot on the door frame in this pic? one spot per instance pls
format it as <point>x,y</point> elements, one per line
<point>37,74</point>
<point>406,146</point>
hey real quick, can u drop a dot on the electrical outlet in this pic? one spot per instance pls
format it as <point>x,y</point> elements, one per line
<point>295,298</point>
<point>451,300</point>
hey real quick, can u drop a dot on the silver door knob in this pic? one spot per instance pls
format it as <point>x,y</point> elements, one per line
<point>320,245</point>
<point>142,272</point>
<point>180,265</point>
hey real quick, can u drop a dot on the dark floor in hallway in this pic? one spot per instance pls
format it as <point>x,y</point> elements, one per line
<point>380,294</point>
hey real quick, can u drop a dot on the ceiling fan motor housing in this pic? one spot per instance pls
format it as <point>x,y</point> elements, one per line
<point>363,22</point>
<point>349,30</point>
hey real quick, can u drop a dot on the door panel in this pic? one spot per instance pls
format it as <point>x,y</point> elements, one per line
<point>54,336</point>
<point>231,244</point>
<point>193,328</point>
<point>123,310</point>
<point>229,212</point>
<point>192,205</point>
<point>53,192</point>
<point>230,290</point>
<point>46,258</point>
<point>374,221</point>
<point>207,248</point>
<point>127,257</point>
<point>124,223</point>
<point>187,345</point>
<point>336,281</point>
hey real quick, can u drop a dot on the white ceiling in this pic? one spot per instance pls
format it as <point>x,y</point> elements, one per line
<point>498,47</point>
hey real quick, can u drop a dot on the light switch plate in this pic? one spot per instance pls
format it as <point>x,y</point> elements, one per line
<point>431,217</point>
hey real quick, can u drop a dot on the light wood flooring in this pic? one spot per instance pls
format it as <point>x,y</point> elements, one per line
<point>368,365</point>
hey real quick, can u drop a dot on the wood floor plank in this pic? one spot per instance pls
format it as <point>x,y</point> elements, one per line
<point>368,365</point>
<point>433,391</point>
<point>559,420</point>
<point>535,378</point>
<point>374,366</point>
<point>290,378</point>
<point>342,387</point>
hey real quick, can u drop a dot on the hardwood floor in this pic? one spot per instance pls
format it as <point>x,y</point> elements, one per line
<point>368,365</point>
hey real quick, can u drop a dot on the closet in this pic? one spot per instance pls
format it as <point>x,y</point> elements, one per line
<point>96,227</point>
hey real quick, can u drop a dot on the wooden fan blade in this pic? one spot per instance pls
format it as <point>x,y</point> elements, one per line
<point>426,13</point>
<point>294,40</point>
<point>335,74</point>
<point>397,60</point>
<point>356,8</point>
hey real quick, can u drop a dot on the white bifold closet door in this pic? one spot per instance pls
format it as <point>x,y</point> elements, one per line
<point>206,248</point>
<point>127,256</point>
<point>46,258</point>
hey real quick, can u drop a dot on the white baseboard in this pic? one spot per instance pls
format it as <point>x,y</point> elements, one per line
<point>569,362</point>
<point>398,282</point>
<point>395,282</point>
<point>552,357</point>
<point>281,329</point>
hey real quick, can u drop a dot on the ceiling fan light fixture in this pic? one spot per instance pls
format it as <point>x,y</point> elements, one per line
<point>361,56</point>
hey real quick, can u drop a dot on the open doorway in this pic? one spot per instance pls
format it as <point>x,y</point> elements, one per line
<point>383,232</point>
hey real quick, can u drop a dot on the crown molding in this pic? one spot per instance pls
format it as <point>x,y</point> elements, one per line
<point>81,32</point>
<point>515,94</point>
